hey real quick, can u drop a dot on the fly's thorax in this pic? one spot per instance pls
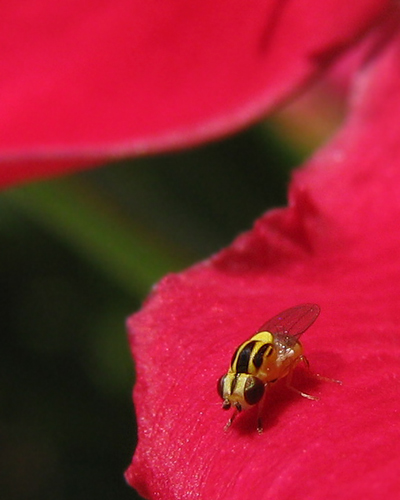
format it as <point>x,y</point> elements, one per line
<point>240,390</point>
<point>254,354</point>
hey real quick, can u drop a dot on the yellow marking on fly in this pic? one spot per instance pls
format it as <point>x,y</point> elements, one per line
<point>270,354</point>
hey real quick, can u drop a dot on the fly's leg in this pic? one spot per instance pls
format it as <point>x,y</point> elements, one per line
<point>317,375</point>
<point>229,423</point>
<point>261,407</point>
<point>290,376</point>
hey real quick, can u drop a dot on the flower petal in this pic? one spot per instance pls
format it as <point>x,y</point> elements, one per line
<point>99,79</point>
<point>336,245</point>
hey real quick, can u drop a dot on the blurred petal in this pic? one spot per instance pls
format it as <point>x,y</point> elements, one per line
<point>87,82</point>
<point>337,245</point>
<point>23,170</point>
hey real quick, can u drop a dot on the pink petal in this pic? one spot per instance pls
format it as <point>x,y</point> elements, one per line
<point>337,245</point>
<point>17,171</point>
<point>86,81</point>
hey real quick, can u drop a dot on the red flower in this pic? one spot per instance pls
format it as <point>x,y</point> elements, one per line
<point>337,245</point>
<point>82,83</point>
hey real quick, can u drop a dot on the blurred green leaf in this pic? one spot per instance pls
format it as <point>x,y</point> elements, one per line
<point>76,213</point>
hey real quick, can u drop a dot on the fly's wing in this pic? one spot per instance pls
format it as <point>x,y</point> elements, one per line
<point>293,321</point>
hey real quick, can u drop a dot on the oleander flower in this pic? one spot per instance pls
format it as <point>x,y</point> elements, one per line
<point>89,83</point>
<point>82,84</point>
<point>337,245</point>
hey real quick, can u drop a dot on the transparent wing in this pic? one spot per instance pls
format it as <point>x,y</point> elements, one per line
<point>293,321</point>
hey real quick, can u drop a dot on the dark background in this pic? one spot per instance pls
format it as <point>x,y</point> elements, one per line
<point>78,256</point>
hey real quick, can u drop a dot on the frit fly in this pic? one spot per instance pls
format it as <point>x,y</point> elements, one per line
<point>269,355</point>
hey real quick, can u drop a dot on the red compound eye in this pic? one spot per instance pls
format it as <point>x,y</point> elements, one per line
<point>220,386</point>
<point>253,390</point>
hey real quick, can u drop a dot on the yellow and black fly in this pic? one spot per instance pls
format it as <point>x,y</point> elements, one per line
<point>269,355</point>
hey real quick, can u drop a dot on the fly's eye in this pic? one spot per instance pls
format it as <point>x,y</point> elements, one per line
<point>220,386</point>
<point>253,390</point>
